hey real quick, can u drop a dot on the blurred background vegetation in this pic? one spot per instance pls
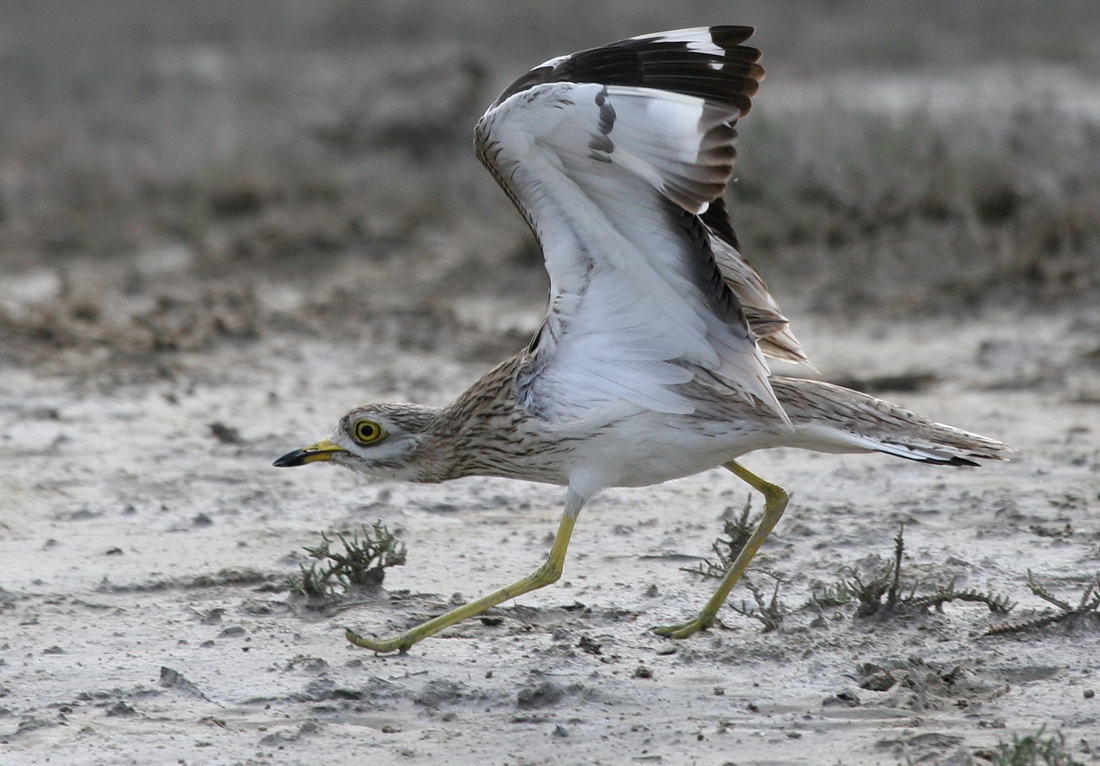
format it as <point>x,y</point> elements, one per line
<point>902,157</point>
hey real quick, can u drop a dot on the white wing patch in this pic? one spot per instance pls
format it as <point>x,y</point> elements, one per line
<point>675,143</point>
<point>696,38</point>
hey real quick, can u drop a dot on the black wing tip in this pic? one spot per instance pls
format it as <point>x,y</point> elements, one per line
<point>661,61</point>
<point>966,462</point>
<point>731,39</point>
<point>960,461</point>
<point>729,35</point>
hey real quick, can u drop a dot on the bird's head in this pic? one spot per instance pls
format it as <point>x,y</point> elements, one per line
<point>383,441</point>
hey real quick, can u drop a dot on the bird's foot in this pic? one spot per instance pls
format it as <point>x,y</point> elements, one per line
<point>689,628</point>
<point>399,643</point>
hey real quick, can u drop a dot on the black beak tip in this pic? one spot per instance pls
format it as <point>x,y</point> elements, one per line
<point>290,459</point>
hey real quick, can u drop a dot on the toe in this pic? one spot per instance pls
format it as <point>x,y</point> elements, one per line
<point>689,628</point>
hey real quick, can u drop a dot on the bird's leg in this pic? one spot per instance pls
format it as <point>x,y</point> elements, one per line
<point>548,573</point>
<point>775,502</point>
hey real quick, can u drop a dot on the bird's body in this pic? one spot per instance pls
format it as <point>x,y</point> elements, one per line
<point>650,362</point>
<point>486,433</point>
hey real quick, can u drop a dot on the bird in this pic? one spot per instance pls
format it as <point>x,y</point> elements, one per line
<point>650,362</point>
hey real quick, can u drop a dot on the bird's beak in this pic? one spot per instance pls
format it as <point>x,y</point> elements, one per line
<point>323,450</point>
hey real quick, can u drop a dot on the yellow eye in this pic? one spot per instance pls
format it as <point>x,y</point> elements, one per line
<point>367,431</point>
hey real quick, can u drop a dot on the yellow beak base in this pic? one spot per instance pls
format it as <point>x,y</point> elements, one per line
<point>314,453</point>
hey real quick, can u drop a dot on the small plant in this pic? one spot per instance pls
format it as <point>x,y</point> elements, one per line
<point>827,596</point>
<point>1089,606</point>
<point>1033,750</point>
<point>738,530</point>
<point>883,590</point>
<point>944,593</point>
<point>361,566</point>
<point>886,582</point>
<point>769,611</point>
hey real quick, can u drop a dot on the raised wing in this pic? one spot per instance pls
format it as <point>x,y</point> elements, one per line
<point>616,157</point>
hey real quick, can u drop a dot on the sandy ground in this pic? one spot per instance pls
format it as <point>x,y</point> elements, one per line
<point>144,616</point>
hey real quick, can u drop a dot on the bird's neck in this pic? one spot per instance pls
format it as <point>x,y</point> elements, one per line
<point>472,436</point>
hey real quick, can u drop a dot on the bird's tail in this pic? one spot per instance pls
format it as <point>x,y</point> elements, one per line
<point>835,419</point>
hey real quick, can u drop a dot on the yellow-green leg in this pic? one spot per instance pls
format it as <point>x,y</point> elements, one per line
<point>775,502</point>
<point>548,573</point>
